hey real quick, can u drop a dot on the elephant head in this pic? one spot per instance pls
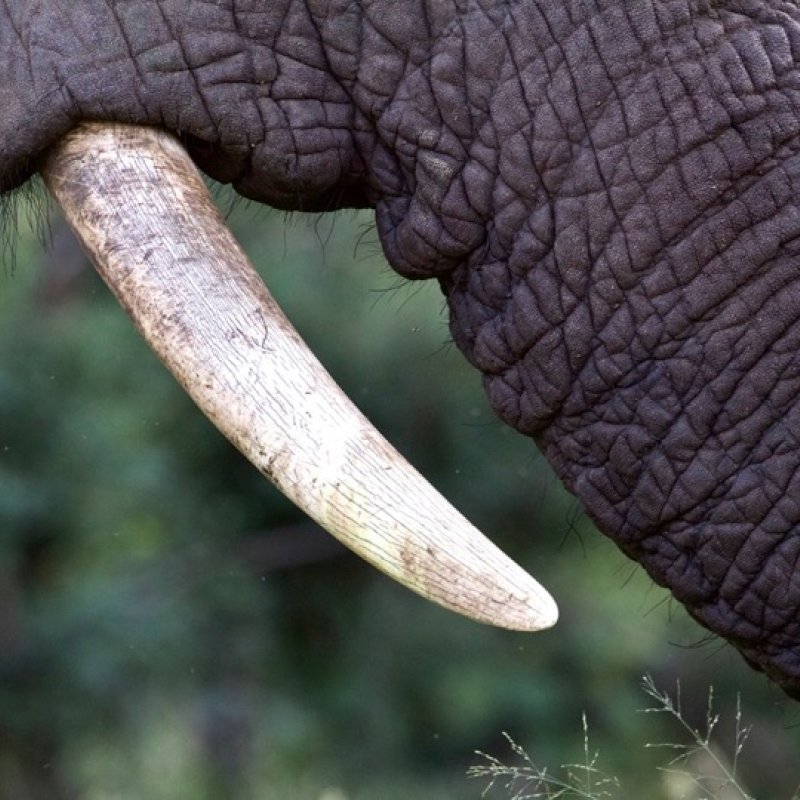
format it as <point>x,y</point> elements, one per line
<point>605,190</point>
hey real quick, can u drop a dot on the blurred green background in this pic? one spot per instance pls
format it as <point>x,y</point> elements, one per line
<point>171,627</point>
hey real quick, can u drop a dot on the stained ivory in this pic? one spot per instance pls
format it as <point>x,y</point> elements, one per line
<point>141,211</point>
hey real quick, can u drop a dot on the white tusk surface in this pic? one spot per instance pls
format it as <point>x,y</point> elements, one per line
<point>140,209</point>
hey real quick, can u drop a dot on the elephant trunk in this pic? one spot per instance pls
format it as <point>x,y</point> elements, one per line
<point>143,214</point>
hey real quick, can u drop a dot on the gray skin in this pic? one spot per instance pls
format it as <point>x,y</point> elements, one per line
<point>605,189</point>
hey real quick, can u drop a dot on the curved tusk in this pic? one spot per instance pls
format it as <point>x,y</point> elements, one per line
<point>140,209</point>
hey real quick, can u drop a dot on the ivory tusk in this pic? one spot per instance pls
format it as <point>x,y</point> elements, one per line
<point>141,211</point>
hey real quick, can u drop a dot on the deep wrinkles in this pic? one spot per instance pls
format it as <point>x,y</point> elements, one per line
<point>606,191</point>
<point>611,300</point>
<point>651,349</point>
<point>247,85</point>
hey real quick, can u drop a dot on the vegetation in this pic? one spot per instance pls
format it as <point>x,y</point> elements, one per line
<point>698,770</point>
<point>171,627</point>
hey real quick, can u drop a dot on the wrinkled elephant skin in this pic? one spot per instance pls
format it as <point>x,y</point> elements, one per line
<point>605,190</point>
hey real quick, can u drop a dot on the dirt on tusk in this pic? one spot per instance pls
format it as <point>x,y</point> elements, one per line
<point>141,211</point>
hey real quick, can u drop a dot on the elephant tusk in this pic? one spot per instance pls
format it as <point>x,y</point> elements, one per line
<point>141,211</point>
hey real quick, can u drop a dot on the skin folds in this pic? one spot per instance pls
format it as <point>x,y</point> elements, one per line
<point>605,190</point>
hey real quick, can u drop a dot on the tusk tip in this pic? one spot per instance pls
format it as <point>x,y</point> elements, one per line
<point>494,590</point>
<point>528,608</point>
<point>540,612</point>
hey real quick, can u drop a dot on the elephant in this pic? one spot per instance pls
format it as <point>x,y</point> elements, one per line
<point>604,190</point>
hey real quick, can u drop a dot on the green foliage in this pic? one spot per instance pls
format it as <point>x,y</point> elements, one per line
<point>723,778</point>
<point>528,781</point>
<point>701,770</point>
<point>171,627</point>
